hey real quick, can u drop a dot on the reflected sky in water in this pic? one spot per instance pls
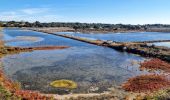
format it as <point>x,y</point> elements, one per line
<point>86,64</point>
<point>124,37</point>
<point>165,44</point>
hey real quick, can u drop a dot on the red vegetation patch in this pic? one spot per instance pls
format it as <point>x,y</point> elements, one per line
<point>8,84</point>
<point>30,95</point>
<point>14,88</point>
<point>146,83</point>
<point>156,64</point>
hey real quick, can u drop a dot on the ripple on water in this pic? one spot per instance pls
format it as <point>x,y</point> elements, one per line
<point>86,64</point>
<point>83,65</point>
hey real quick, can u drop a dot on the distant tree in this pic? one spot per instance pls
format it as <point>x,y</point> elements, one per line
<point>38,24</point>
<point>145,28</point>
<point>27,24</point>
<point>83,26</point>
<point>1,24</point>
<point>96,27</point>
<point>76,27</point>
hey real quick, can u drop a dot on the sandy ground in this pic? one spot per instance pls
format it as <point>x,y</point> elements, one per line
<point>110,95</point>
<point>66,97</point>
<point>25,38</point>
<point>96,31</point>
<point>29,38</point>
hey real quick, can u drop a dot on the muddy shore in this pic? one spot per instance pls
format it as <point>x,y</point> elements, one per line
<point>6,50</point>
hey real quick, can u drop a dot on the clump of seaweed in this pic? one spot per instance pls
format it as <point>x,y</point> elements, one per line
<point>156,64</point>
<point>146,83</point>
<point>67,84</point>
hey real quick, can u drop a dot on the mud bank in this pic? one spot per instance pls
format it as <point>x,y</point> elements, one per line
<point>148,51</point>
<point>96,31</point>
<point>5,50</point>
<point>52,29</point>
<point>25,38</point>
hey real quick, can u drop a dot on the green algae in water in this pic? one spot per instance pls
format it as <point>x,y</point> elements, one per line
<point>68,84</point>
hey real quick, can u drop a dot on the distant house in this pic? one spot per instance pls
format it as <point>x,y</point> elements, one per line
<point>91,28</point>
<point>109,41</point>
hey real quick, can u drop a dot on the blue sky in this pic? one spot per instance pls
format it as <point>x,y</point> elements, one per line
<point>90,11</point>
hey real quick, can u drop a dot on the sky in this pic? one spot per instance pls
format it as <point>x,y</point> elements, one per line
<point>88,11</point>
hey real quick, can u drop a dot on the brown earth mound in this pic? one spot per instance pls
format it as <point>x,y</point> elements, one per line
<point>4,50</point>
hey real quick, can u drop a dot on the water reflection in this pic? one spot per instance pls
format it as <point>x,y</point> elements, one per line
<point>124,37</point>
<point>165,44</point>
<point>86,64</point>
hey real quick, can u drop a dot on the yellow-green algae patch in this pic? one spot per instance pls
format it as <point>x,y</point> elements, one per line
<point>68,84</point>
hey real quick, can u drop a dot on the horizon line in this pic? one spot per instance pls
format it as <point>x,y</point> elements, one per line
<point>85,22</point>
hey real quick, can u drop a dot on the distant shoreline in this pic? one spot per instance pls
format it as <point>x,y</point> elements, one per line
<point>88,31</point>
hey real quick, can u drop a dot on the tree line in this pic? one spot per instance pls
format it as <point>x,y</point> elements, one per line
<point>82,26</point>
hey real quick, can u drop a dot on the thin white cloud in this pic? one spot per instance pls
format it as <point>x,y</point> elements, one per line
<point>30,14</point>
<point>45,14</point>
<point>44,18</point>
<point>9,13</point>
<point>32,11</point>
